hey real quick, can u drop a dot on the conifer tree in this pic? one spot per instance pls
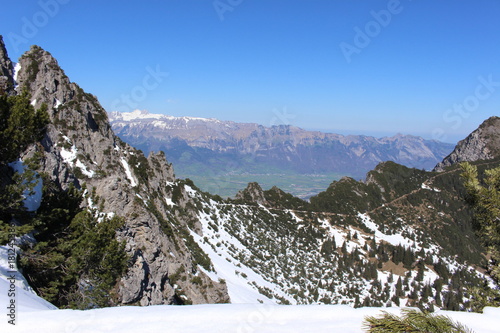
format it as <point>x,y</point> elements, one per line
<point>413,321</point>
<point>485,200</point>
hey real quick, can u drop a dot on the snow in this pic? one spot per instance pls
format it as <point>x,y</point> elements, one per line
<point>128,172</point>
<point>31,201</point>
<point>260,318</point>
<point>33,314</point>
<point>58,103</point>
<point>427,187</point>
<point>26,299</point>
<point>17,68</point>
<point>190,191</point>
<point>138,115</point>
<point>84,170</point>
<point>70,157</point>
<point>236,274</point>
<point>394,239</point>
<point>169,202</point>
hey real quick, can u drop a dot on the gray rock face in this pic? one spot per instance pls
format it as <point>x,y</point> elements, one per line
<point>482,144</point>
<point>252,193</point>
<point>6,70</point>
<point>81,149</point>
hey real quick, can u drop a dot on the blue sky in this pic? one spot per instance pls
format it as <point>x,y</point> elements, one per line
<point>376,67</point>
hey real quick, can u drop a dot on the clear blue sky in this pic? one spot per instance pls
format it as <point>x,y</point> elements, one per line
<point>422,68</point>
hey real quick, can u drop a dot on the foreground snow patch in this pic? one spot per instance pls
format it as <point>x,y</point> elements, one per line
<point>223,318</point>
<point>34,314</point>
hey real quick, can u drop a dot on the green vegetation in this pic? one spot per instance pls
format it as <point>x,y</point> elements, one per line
<point>413,321</point>
<point>302,186</point>
<point>484,196</point>
<point>77,260</point>
<point>20,125</point>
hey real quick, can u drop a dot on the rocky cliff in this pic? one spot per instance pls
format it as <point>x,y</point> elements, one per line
<point>481,144</point>
<point>80,148</point>
<point>6,70</point>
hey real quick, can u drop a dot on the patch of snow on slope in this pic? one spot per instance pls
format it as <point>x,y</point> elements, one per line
<point>239,277</point>
<point>84,170</point>
<point>70,157</point>
<point>392,239</point>
<point>58,103</point>
<point>128,172</point>
<point>427,187</point>
<point>25,298</point>
<point>190,191</point>
<point>17,68</point>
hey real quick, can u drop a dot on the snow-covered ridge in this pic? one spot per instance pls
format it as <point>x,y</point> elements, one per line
<point>138,115</point>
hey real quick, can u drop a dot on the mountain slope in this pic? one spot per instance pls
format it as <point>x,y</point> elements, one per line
<point>218,149</point>
<point>80,150</point>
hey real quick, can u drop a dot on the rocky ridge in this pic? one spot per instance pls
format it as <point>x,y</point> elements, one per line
<point>6,70</point>
<point>481,144</point>
<point>80,148</point>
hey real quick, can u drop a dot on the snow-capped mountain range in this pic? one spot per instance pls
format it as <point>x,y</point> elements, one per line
<point>199,146</point>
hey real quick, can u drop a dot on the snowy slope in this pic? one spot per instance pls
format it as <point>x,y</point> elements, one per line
<point>25,298</point>
<point>222,318</point>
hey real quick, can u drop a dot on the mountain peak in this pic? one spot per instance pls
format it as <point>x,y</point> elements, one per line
<point>253,193</point>
<point>481,144</point>
<point>47,83</point>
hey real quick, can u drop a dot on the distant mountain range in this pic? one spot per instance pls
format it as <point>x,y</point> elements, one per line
<point>222,152</point>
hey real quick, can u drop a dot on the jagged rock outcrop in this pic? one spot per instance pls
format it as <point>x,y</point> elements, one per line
<point>80,148</point>
<point>6,70</point>
<point>481,144</point>
<point>252,193</point>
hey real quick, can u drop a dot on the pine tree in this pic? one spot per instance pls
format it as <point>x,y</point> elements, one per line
<point>413,321</point>
<point>485,199</point>
<point>20,126</point>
